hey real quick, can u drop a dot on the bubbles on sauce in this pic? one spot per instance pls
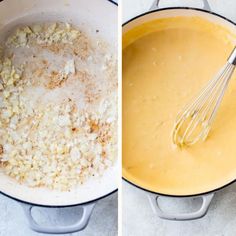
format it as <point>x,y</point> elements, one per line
<point>154,49</point>
<point>154,63</point>
<point>180,58</point>
<point>151,166</point>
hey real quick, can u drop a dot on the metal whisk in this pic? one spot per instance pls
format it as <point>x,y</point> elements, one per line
<point>193,123</point>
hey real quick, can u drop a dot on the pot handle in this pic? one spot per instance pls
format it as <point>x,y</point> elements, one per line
<point>206,5</point>
<point>77,226</point>
<point>206,200</point>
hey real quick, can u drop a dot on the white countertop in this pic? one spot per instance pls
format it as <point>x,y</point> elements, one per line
<point>138,217</point>
<point>103,221</point>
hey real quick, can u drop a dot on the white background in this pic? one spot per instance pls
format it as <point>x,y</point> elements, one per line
<point>138,218</point>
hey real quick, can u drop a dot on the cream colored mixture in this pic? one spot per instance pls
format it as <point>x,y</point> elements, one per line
<point>165,63</point>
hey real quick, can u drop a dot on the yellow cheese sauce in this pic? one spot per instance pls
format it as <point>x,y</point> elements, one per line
<point>165,64</point>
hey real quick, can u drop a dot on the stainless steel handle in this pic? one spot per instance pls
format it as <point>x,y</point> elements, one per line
<point>232,57</point>
<point>155,5</point>
<point>78,226</point>
<point>206,200</point>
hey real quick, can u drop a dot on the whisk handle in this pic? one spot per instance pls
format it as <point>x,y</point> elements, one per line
<point>232,57</point>
<point>206,200</point>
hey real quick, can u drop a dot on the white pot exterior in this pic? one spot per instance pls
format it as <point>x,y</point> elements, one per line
<point>166,13</point>
<point>89,15</point>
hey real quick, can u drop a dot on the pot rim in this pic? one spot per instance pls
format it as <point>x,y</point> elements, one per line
<point>70,205</point>
<point>59,206</point>
<point>179,8</point>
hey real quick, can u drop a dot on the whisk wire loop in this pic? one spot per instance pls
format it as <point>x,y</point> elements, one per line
<point>194,121</point>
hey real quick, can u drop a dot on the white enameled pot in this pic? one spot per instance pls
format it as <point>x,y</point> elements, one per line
<point>89,15</point>
<point>158,13</point>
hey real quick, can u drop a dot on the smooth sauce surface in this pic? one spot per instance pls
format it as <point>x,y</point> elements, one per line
<point>165,63</point>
